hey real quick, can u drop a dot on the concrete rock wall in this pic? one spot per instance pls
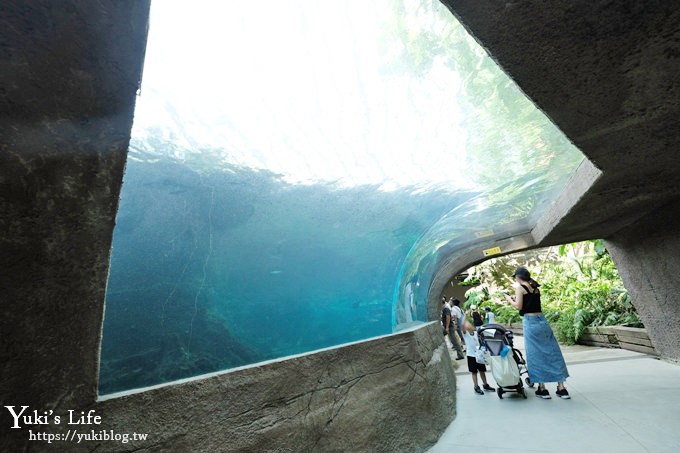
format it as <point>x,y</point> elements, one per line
<point>69,72</point>
<point>392,393</point>
<point>646,254</point>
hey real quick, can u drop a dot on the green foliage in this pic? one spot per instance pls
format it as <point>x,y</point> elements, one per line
<point>563,323</point>
<point>580,287</point>
<point>481,297</point>
<point>505,131</point>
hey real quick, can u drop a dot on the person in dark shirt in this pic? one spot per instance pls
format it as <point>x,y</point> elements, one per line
<point>449,329</point>
<point>477,319</point>
<point>544,357</point>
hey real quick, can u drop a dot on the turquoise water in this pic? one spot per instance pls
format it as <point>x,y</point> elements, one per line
<point>295,179</point>
<point>222,269</point>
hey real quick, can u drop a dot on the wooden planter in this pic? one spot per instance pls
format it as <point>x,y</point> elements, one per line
<point>634,339</point>
<point>631,338</point>
<point>603,337</point>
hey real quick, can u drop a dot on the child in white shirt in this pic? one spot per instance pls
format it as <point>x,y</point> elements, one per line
<point>471,346</point>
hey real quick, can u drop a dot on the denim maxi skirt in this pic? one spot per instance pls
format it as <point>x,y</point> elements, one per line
<point>544,358</point>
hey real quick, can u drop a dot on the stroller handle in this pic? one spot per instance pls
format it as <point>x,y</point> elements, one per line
<point>496,327</point>
<point>504,333</point>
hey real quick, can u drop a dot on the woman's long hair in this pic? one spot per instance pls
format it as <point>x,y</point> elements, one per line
<point>533,283</point>
<point>524,275</point>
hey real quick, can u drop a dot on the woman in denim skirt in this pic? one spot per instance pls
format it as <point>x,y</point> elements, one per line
<point>544,357</point>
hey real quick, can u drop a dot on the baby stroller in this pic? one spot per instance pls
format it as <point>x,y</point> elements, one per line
<point>507,373</point>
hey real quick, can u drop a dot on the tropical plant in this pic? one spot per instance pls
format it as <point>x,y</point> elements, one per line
<point>580,286</point>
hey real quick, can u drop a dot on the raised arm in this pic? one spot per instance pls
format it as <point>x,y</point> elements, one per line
<point>518,300</point>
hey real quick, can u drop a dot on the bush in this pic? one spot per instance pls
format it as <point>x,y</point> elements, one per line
<point>564,326</point>
<point>580,287</point>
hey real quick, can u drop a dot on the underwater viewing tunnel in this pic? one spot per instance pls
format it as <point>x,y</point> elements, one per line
<point>240,217</point>
<point>307,191</point>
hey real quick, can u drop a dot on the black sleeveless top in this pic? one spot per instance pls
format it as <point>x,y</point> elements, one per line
<point>531,302</point>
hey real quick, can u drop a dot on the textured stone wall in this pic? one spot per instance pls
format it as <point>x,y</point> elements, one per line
<point>646,255</point>
<point>388,394</point>
<point>394,393</point>
<point>69,72</point>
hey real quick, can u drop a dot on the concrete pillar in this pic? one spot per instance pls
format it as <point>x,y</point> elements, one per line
<point>70,72</point>
<point>646,254</point>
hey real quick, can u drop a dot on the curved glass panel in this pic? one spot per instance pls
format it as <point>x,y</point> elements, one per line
<point>297,173</point>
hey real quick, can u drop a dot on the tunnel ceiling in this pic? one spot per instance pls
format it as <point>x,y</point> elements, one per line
<point>607,74</point>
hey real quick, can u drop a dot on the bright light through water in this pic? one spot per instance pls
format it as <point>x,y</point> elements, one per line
<point>301,89</point>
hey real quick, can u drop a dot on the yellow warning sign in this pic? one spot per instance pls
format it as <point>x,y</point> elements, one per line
<point>493,251</point>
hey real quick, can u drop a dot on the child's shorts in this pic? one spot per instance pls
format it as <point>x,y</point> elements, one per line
<point>473,366</point>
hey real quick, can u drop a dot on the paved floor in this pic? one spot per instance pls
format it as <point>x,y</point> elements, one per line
<point>622,401</point>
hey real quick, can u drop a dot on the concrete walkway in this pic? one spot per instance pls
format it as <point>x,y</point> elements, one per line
<point>622,401</point>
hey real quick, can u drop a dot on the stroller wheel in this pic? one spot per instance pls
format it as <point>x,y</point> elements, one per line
<point>522,392</point>
<point>499,391</point>
<point>529,383</point>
